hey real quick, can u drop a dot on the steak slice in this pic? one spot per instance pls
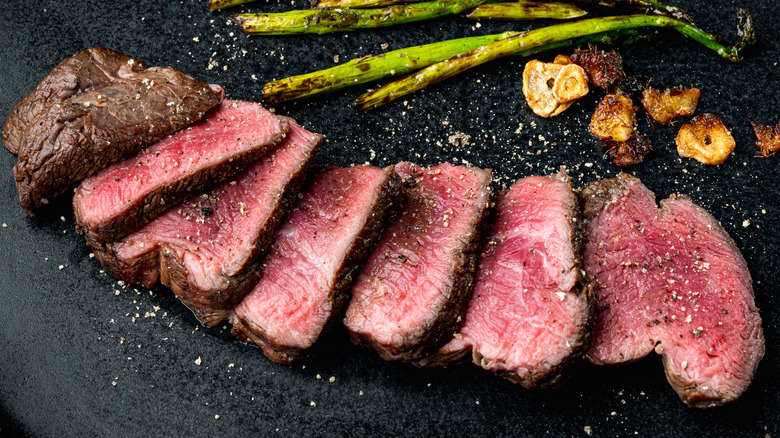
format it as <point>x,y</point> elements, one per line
<point>529,316</point>
<point>410,295</point>
<point>95,108</point>
<point>673,281</point>
<point>128,194</point>
<point>208,249</point>
<point>315,258</point>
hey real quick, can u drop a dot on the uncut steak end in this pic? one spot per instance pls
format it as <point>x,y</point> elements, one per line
<point>312,263</point>
<point>669,279</point>
<point>529,316</point>
<point>208,249</point>
<point>128,194</point>
<point>95,108</point>
<point>410,295</point>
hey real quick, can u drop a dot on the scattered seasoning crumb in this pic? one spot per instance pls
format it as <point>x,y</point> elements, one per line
<point>312,403</point>
<point>684,364</point>
<point>198,361</point>
<point>319,377</point>
<point>216,417</point>
<point>332,379</point>
<point>745,223</point>
<point>5,225</point>
<point>588,430</point>
<point>361,392</point>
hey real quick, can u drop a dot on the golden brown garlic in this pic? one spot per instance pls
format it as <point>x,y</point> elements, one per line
<point>571,83</point>
<point>767,138</point>
<point>674,102</point>
<point>550,88</point>
<point>614,118</point>
<point>705,139</point>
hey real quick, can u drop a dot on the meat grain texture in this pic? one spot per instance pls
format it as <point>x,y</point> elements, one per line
<point>128,194</point>
<point>208,249</point>
<point>673,281</point>
<point>95,108</point>
<point>410,296</point>
<point>315,258</point>
<point>530,315</point>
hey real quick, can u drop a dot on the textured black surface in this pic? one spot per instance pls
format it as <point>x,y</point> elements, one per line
<point>81,355</point>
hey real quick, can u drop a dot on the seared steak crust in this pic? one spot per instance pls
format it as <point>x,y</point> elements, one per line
<point>383,205</point>
<point>95,108</point>
<point>410,296</point>
<point>128,194</point>
<point>208,249</point>
<point>670,279</point>
<point>530,315</point>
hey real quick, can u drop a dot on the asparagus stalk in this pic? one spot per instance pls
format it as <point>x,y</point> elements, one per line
<point>402,61</point>
<point>222,4</point>
<point>550,35</point>
<point>335,20</point>
<point>332,4</point>
<point>646,7</point>
<point>371,68</point>
<point>526,10</point>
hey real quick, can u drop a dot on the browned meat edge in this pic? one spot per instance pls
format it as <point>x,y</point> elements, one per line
<point>450,318</point>
<point>174,193</point>
<point>387,207</point>
<point>221,302</point>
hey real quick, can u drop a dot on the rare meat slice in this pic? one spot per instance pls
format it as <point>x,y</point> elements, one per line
<point>128,194</point>
<point>669,280</point>
<point>95,108</point>
<point>207,249</point>
<point>315,258</point>
<point>410,295</point>
<point>529,316</point>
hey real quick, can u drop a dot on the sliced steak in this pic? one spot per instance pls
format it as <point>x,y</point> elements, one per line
<point>314,260</point>
<point>670,280</point>
<point>529,316</point>
<point>95,108</point>
<point>410,295</point>
<point>208,249</point>
<point>128,194</point>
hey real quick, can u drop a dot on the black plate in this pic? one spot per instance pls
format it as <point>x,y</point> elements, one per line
<point>81,355</point>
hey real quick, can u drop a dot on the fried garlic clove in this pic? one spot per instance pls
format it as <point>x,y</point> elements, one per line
<point>538,80</point>
<point>603,68</point>
<point>767,138</point>
<point>562,60</point>
<point>614,118</point>
<point>674,102</point>
<point>705,139</point>
<point>630,152</point>
<point>570,84</point>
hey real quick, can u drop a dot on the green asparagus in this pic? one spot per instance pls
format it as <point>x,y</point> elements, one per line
<point>402,61</point>
<point>550,35</point>
<point>525,10</point>
<point>371,68</point>
<point>336,20</point>
<point>332,4</point>
<point>222,4</point>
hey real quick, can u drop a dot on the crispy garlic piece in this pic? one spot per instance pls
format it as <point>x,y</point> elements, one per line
<point>674,102</point>
<point>705,139</point>
<point>571,83</point>
<point>614,119</point>
<point>767,139</point>
<point>603,68</point>
<point>630,152</point>
<point>550,88</point>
